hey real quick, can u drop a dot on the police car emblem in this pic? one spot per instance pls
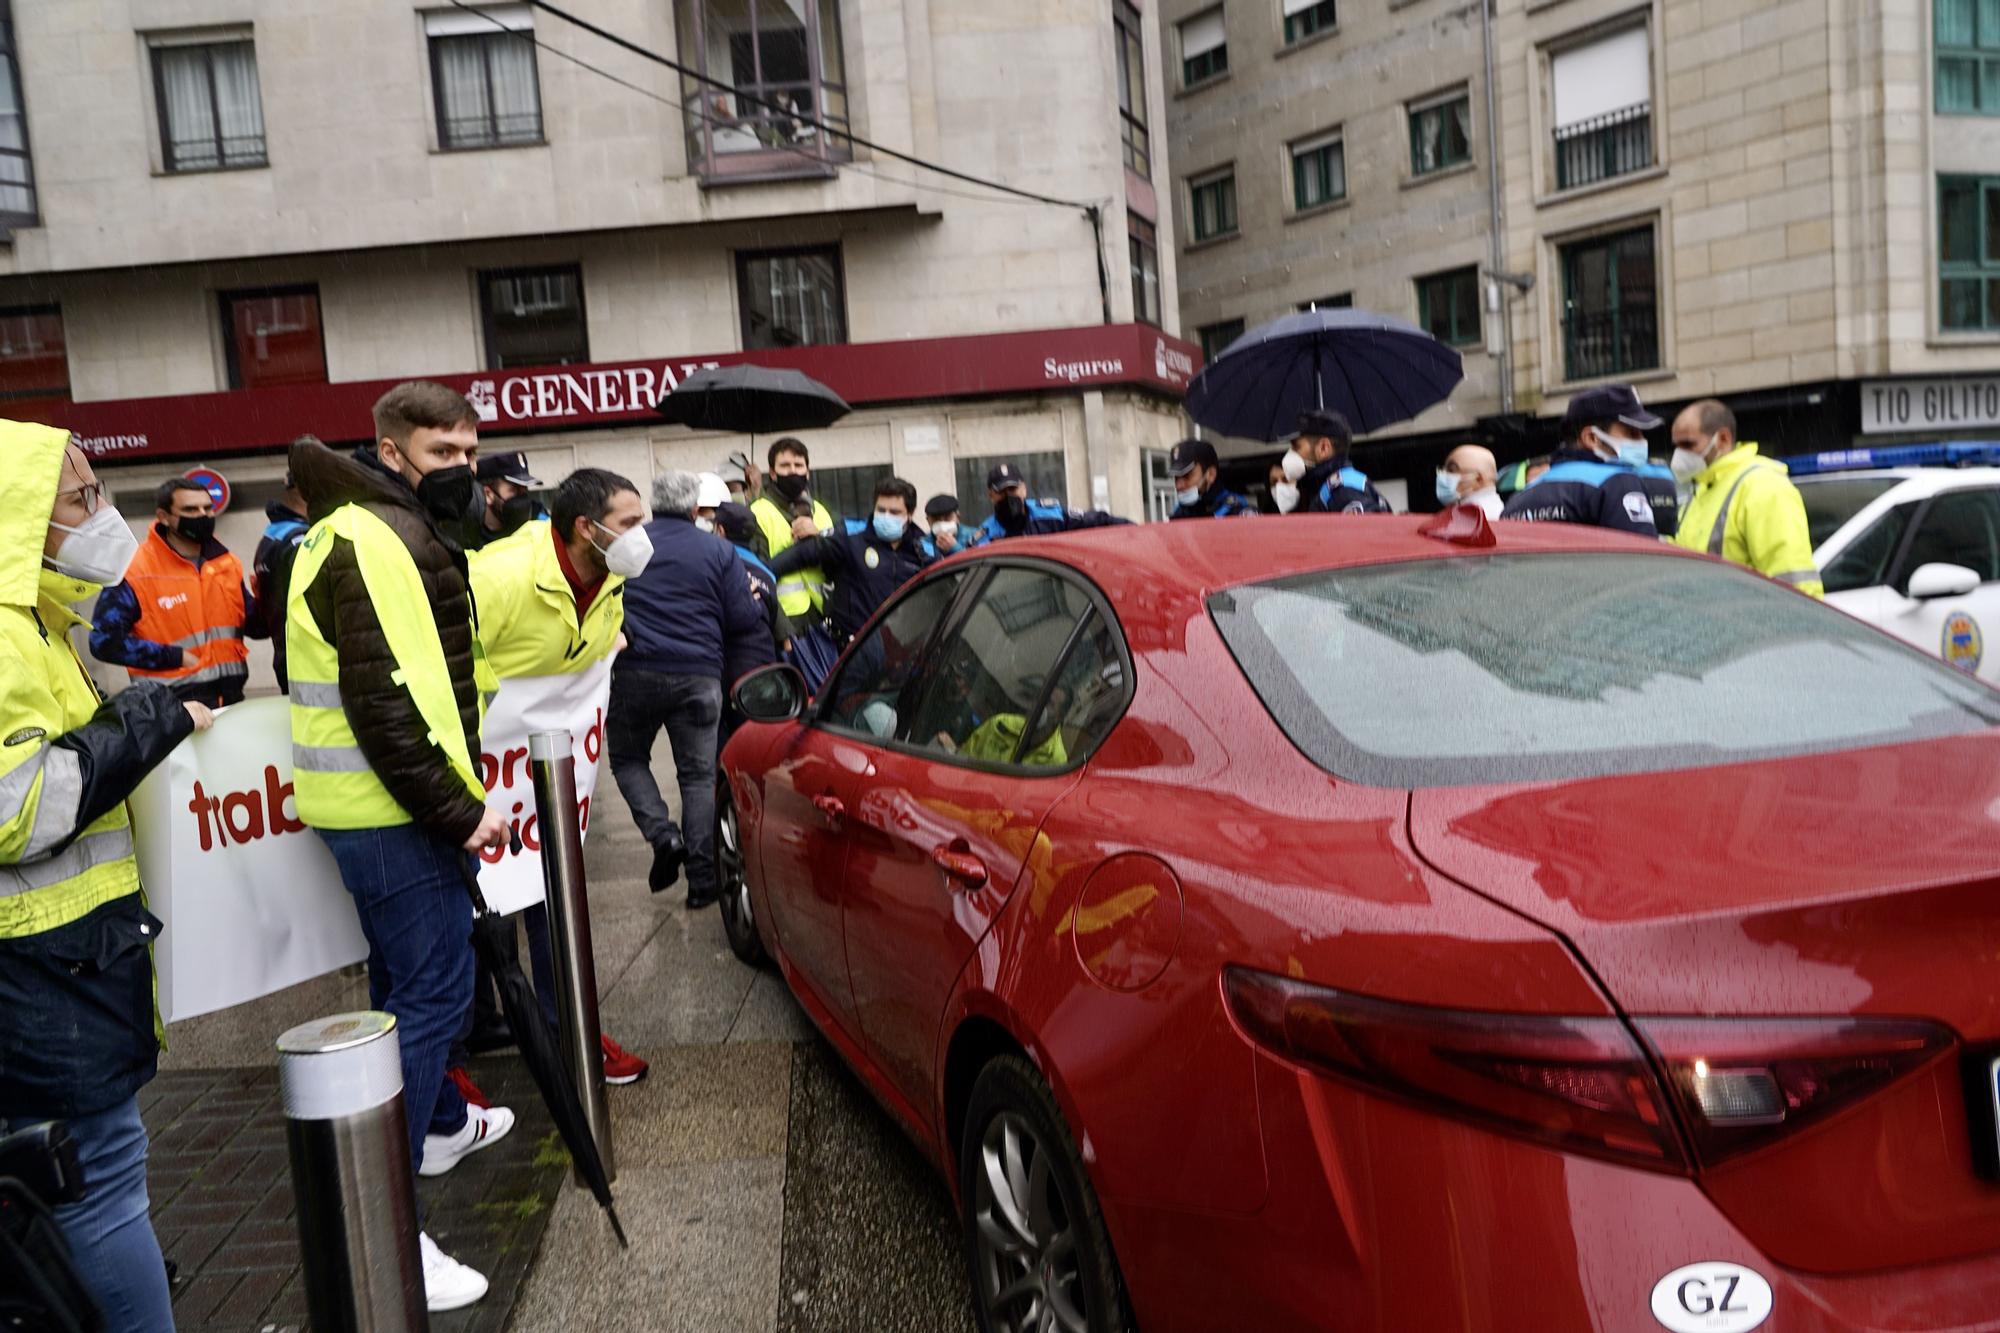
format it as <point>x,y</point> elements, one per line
<point>873,557</point>
<point>1962,644</point>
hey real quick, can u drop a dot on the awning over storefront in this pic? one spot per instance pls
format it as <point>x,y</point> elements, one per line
<point>624,393</point>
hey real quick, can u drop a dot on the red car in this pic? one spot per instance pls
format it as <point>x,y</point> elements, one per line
<point>1322,923</point>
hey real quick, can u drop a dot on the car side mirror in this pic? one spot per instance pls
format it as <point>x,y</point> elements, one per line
<point>771,694</point>
<point>1938,580</point>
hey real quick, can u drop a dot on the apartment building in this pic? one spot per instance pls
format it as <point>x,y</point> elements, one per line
<point>1792,205</point>
<point>228,222</point>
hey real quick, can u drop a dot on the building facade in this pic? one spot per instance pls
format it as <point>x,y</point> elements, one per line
<point>229,222</point>
<point>1794,206</point>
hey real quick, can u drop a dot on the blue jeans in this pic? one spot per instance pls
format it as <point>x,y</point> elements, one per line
<point>410,892</point>
<point>110,1230</point>
<point>689,707</point>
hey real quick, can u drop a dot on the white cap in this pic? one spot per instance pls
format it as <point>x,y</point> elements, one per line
<point>711,492</point>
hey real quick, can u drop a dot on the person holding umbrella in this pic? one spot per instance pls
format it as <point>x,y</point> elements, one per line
<point>387,679</point>
<point>1197,487</point>
<point>1318,465</point>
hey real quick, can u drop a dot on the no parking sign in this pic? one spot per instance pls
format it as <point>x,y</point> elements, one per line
<point>214,483</point>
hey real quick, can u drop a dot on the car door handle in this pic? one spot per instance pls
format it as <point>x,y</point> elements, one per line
<point>830,806</point>
<point>959,864</point>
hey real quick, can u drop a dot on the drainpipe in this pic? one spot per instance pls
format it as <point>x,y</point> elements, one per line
<point>1495,218</point>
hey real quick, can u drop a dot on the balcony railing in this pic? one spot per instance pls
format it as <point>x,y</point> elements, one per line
<point>1614,144</point>
<point>211,152</point>
<point>1610,342</point>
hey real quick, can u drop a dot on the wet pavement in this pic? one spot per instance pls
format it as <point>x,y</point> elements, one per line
<point>761,1188</point>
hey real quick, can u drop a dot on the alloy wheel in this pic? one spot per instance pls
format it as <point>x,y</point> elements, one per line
<point>735,885</point>
<point>1029,1270</point>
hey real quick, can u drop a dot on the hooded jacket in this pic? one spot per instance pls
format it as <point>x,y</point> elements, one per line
<point>78,1032</point>
<point>386,723</point>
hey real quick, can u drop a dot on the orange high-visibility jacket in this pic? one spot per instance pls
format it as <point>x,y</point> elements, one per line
<point>198,609</point>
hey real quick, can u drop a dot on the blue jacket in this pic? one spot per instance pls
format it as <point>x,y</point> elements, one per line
<point>1216,502</point>
<point>1580,487</point>
<point>690,613</point>
<point>1335,488</point>
<point>1046,516</point>
<point>864,570</point>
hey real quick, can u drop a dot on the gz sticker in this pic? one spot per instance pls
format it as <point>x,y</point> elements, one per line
<point>1962,644</point>
<point>1711,1298</point>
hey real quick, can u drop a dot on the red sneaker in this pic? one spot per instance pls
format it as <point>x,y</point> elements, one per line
<point>467,1088</point>
<point>620,1065</point>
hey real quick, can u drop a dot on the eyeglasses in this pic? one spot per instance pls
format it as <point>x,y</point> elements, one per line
<point>90,497</point>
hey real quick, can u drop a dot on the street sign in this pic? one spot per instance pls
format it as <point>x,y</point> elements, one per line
<point>214,483</point>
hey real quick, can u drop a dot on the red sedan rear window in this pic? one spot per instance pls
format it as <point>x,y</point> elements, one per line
<point>1514,668</point>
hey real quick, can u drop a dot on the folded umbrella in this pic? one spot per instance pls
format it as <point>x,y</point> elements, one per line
<point>493,940</point>
<point>752,399</point>
<point>1370,368</point>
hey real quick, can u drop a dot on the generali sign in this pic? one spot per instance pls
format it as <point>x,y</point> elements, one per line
<point>606,394</point>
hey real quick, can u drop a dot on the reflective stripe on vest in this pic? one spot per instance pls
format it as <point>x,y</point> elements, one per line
<point>333,783</point>
<point>1721,530</point>
<point>803,591</point>
<point>85,854</point>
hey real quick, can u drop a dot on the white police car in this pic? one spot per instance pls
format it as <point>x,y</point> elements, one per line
<point>1908,539</point>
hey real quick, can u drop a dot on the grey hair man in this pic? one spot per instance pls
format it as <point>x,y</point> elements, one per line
<point>692,628</point>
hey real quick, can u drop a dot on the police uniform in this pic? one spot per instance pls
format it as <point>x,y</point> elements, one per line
<point>1044,516</point>
<point>1337,488</point>
<point>1665,494</point>
<point>865,570</point>
<point>1580,487</point>
<point>1218,501</point>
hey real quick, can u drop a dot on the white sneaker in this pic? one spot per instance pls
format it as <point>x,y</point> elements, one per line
<point>482,1129</point>
<point>448,1284</point>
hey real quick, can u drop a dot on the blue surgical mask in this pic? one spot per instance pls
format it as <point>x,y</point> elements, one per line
<point>1632,453</point>
<point>1447,488</point>
<point>889,527</point>
<point>1188,496</point>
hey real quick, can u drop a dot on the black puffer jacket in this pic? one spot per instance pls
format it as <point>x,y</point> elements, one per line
<point>385,719</point>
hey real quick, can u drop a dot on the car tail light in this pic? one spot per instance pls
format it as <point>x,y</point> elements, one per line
<point>1580,1084</point>
<point>1741,1083</point>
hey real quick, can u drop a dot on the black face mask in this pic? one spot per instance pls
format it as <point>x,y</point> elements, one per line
<point>793,488</point>
<point>514,512</point>
<point>197,528</point>
<point>450,495</point>
<point>1012,511</point>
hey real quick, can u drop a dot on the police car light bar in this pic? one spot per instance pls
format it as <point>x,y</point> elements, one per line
<point>1958,453</point>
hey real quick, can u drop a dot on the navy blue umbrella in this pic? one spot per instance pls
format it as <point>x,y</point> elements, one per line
<point>1372,369</point>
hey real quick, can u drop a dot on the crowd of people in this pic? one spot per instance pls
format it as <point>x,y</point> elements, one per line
<point>402,580</point>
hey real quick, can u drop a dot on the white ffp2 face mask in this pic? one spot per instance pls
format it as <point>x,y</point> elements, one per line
<point>1294,465</point>
<point>1687,464</point>
<point>97,550</point>
<point>1286,494</point>
<point>629,553</point>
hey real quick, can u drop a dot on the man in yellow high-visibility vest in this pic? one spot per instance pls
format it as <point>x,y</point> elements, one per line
<point>1745,507</point>
<point>79,1035</point>
<point>387,679</point>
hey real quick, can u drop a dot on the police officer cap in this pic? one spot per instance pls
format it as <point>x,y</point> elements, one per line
<point>940,505</point>
<point>1002,475</point>
<point>1192,454</point>
<point>1321,422</point>
<point>506,467</point>
<point>734,520</point>
<point>1607,402</point>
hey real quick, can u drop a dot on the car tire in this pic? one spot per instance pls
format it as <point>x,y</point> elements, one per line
<point>732,883</point>
<point>1020,1175</point>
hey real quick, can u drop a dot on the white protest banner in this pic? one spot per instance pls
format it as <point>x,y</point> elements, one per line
<point>575,703</point>
<point>251,898</point>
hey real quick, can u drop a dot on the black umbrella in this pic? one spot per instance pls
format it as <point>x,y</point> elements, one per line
<point>493,939</point>
<point>1370,368</point>
<point>752,399</point>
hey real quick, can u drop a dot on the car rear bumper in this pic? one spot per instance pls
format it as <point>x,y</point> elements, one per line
<point>1383,1217</point>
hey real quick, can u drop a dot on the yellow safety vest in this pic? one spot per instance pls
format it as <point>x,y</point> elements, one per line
<point>1746,510</point>
<point>45,692</point>
<point>803,591</point>
<point>527,612</point>
<point>332,781</point>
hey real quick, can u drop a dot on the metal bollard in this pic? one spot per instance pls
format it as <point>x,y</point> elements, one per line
<point>342,1082</point>
<point>554,765</point>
